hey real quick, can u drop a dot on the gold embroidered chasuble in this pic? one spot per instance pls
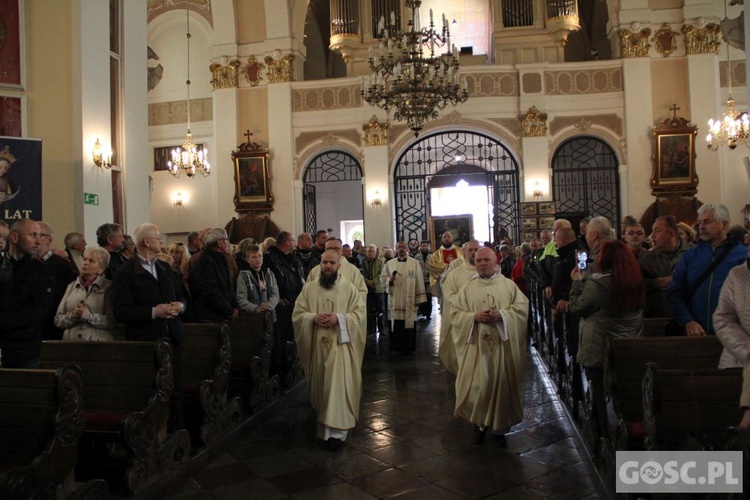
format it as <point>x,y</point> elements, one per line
<point>450,348</point>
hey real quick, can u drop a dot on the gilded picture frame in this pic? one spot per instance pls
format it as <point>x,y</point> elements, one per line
<point>462,227</point>
<point>252,186</point>
<point>674,158</point>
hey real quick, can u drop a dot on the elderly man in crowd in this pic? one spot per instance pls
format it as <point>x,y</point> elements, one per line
<point>696,283</point>
<point>26,295</point>
<point>598,230</point>
<point>372,266</point>
<point>439,261</point>
<point>658,264</point>
<point>64,275</point>
<point>147,299</point>
<point>345,270</point>
<point>109,236</point>
<point>451,347</point>
<point>305,253</point>
<point>402,281</point>
<point>75,245</point>
<point>330,329</point>
<point>635,237</point>
<point>212,288</point>
<point>732,316</point>
<point>489,315</point>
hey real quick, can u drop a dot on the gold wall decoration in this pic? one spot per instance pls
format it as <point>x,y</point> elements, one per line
<point>533,123</point>
<point>253,71</point>
<point>635,43</point>
<point>375,133</point>
<point>702,40</point>
<point>279,70</point>
<point>665,40</point>
<point>224,74</point>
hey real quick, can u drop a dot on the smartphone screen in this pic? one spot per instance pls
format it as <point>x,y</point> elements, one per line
<point>583,258</point>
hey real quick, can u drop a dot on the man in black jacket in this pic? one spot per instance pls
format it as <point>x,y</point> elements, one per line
<point>147,299</point>
<point>25,297</point>
<point>211,285</point>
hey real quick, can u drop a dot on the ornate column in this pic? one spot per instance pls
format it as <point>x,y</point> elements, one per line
<point>377,184</point>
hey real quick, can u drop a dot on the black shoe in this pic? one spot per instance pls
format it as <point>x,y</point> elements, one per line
<point>479,434</point>
<point>334,444</point>
<point>498,441</point>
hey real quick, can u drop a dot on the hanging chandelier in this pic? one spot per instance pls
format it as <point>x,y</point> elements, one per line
<point>734,127</point>
<point>189,159</point>
<point>408,75</point>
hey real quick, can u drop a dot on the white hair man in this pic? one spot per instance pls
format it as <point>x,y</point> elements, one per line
<point>598,230</point>
<point>696,282</point>
<point>346,269</point>
<point>490,314</point>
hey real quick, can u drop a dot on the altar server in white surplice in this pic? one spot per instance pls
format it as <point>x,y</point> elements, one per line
<point>489,314</point>
<point>330,326</point>
<point>451,347</point>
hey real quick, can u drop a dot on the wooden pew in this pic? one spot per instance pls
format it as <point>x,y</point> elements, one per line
<point>41,419</point>
<point>655,327</point>
<point>252,341</point>
<point>206,363</point>
<point>678,404</point>
<point>126,399</point>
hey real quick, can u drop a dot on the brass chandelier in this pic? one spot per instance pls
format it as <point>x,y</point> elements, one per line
<point>189,159</point>
<point>408,75</point>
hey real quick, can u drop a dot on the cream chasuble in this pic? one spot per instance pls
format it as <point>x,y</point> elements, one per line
<point>332,357</point>
<point>406,292</point>
<point>490,380</point>
<point>348,271</point>
<point>450,348</point>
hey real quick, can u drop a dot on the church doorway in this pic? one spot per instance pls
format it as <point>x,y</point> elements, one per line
<point>444,179</point>
<point>332,196</point>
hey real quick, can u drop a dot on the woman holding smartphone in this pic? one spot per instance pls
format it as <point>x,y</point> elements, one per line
<point>609,304</point>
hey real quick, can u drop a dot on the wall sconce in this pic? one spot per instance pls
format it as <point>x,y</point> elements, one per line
<point>177,201</point>
<point>100,158</point>
<point>537,192</point>
<point>376,200</point>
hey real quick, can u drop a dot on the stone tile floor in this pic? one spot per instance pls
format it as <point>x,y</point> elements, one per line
<point>407,443</point>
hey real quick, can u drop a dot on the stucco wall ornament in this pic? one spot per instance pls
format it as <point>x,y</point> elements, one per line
<point>533,123</point>
<point>279,68</point>
<point>702,40</point>
<point>635,43</point>
<point>665,40</point>
<point>224,73</point>
<point>253,71</point>
<point>375,133</point>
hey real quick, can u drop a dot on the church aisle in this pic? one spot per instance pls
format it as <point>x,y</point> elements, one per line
<point>407,443</point>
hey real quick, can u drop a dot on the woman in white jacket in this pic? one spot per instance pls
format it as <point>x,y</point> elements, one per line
<point>85,311</point>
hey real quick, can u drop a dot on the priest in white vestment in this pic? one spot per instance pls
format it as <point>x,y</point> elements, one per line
<point>403,283</point>
<point>346,268</point>
<point>489,316</point>
<point>450,348</point>
<point>330,326</point>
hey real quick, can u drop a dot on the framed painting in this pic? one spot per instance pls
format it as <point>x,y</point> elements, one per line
<point>527,236</point>
<point>546,222</point>
<point>528,223</point>
<point>462,227</point>
<point>547,208</point>
<point>528,208</point>
<point>11,115</point>
<point>674,157</point>
<point>11,49</point>
<point>163,154</point>
<point>252,181</point>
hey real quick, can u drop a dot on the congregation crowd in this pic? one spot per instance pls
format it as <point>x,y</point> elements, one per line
<point>326,297</point>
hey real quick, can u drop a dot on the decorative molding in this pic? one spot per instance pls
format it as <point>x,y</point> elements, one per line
<point>634,43</point>
<point>737,73</point>
<point>702,40</point>
<point>610,121</point>
<point>590,81</point>
<point>326,98</point>
<point>533,123</point>
<point>309,144</point>
<point>665,40</point>
<point>175,112</point>
<point>279,68</point>
<point>492,84</point>
<point>155,8</point>
<point>583,125</point>
<point>253,71</point>
<point>225,74</point>
<point>375,133</point>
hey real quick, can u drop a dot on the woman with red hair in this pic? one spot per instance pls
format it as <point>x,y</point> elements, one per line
<point>609,304</point>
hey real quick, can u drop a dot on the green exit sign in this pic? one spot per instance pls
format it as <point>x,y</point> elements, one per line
<point>90,199</point>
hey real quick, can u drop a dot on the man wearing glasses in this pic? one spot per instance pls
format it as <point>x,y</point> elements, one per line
<point>635,237</point>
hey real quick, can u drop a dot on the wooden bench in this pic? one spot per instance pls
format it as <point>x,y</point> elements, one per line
<point>41,419</point>
<point>655,327</point>
<point>689,409</point>
<point>206,363</point>
<point>252,341</point>
<point>126,399</point>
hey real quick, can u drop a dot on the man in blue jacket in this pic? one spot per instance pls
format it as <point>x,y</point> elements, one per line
<point>692,303</point>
